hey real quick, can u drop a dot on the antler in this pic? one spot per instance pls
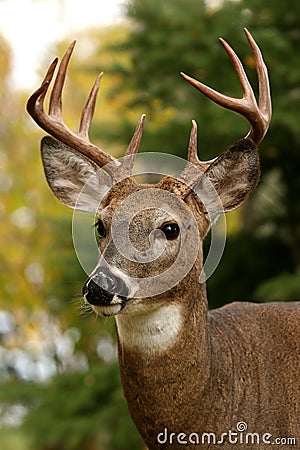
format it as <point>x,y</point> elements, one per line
<point>53,122</point>
<point>259,115</point>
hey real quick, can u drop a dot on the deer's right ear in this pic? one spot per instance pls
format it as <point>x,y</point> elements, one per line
<point>75,180</point>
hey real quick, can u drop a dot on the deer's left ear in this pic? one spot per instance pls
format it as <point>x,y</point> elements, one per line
<point>232,176</point>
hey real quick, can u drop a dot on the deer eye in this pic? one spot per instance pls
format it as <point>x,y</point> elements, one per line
<point>171,231</point>
<point>100,228</point>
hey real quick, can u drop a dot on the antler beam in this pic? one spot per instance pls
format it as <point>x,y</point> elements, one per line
<point>259,115</point>
<point>53,123</point>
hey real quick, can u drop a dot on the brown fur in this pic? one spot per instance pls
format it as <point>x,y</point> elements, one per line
<point>236,363</point>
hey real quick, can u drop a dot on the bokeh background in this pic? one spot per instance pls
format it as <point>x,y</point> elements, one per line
<point>59,380</point>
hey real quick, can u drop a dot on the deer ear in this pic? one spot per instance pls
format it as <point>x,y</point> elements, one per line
<point>231,177</point>
<point>75,180</point>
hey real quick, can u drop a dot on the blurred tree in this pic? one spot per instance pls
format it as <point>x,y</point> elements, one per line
<point>75,411</point>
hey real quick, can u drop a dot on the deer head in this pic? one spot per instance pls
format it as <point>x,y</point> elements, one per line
<point>149,235</point>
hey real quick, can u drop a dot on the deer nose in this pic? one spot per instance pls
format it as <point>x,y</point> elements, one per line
<point>100,289</point>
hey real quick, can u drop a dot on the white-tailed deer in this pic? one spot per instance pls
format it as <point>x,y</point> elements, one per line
<point>227,378</point>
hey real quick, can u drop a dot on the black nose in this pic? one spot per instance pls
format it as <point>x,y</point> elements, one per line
<point>101,288</point>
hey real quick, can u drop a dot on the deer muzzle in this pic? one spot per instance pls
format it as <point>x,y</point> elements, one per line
<point>104,290</point>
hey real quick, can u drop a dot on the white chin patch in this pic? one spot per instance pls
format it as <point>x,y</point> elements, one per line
<point>110,310</point>
<point>154,329</point>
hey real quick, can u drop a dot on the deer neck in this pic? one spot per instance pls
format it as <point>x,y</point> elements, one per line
<point>163,355</point>
<point>157,328</point>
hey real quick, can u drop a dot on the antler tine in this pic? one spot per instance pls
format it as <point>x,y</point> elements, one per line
<point>89,109</point>
<point>35,104</point>
<point>134,145</point>
<point>246,86</point>
<point>53,123</point>
<point>193,145</point>
<point>126,167</point>
<point>265,103</point>
<point>193,150</point>
<point>55,102</point>
<point>259,117</point>
<point>194,165</point>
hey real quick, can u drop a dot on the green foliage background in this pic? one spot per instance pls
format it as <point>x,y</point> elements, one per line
<point>81,405</point>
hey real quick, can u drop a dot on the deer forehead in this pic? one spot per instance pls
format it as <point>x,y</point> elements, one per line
<point>146,218</point>
<point>140,211</point>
